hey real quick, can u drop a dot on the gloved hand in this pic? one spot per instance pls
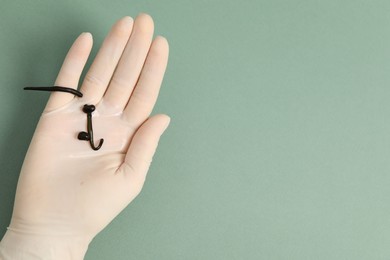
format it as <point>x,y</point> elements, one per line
<point>67,192</point>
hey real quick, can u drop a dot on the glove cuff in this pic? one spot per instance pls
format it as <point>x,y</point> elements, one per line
<point>18,246</point>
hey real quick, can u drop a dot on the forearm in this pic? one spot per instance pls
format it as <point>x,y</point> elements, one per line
<point>16,246</point>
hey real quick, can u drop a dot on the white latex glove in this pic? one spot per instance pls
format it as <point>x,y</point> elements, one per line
<point>67,192</point>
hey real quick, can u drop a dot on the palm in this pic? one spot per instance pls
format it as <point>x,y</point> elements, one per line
<point>65,187</point>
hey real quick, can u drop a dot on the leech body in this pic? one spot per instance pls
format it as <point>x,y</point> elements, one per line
<point>88,109</point>
<point>57,88</point>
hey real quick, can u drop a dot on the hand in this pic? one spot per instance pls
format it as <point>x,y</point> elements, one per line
<point>66,191</point>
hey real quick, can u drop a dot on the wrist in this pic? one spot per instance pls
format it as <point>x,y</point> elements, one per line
<point>17,246</point>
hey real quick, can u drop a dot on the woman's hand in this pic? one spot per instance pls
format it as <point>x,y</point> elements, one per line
<point>67,192</point>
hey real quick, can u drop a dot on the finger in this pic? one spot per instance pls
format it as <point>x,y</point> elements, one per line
<point>70,71</point>
<point>130,64</point>
<point>98,76</point>
<point>141,150</point>
<point>145,94</point>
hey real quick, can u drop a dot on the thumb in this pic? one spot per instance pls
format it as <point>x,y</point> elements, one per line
<point>142,148</point>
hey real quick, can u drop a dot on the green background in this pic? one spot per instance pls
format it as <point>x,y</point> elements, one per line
<point>279,142</point>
